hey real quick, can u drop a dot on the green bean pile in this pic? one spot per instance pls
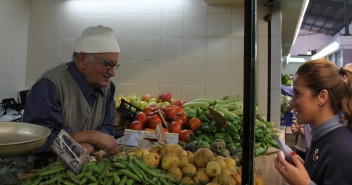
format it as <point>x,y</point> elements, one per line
<point>126,170</point>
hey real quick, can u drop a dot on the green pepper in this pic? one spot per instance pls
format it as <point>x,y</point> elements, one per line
<point>204,118</point>
<point>198,132</point>
<point>273,143</point>
<point>190,112</point>
<point>260,150</point>
<point>232,128</point>
<point>238,145</point>
<point>219,135</point>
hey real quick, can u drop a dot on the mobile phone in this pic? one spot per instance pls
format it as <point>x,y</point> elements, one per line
<point>284,148</point>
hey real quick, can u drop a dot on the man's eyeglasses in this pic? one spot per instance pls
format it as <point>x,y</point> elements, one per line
<point>106,64</point>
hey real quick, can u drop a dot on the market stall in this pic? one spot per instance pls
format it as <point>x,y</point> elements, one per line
<point>194,146</point>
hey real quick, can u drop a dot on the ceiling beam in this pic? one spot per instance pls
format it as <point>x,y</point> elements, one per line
<point>323,17</point>
<point>328,3</point>
<point>321,27</point>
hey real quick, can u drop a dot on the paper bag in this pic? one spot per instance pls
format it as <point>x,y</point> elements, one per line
<point>264,167</point>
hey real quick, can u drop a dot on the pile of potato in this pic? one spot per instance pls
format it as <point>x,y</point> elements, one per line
<point>200,167</point>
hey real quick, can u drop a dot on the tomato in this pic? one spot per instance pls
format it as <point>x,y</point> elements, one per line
<point>147,110</point>
<point>186,135</point>
<point>136,125</point>
<point>175,127</point>
<point>166,130</point>
<point>176,102</point>
<point>170,112</point>
<point>194,123</point>
<point>154,121</point>
<point>142,117</point>
<point>176,118</point>
<point>154,107</point>
<point>164,97</point>
<point>154,113</point>
<point>179,109</point>
<point>183,117</point>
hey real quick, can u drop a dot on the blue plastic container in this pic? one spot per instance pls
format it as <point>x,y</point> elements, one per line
<point>287,119</point>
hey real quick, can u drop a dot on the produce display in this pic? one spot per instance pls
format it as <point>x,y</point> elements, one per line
<point>232,132</point>
<point>162,110</point>
<point>121,170</point>
<point>207,153</point>
<point>165,165</point>
<point>193,122</point>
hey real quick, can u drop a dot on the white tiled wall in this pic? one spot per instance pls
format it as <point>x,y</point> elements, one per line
<point>182,46</point>
<point>14,20</point>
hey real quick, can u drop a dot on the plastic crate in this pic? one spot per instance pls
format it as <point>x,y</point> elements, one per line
<point>128,110</point>
<point>287,119</point>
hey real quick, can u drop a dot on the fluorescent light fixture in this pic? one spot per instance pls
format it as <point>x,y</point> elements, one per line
<point>303,11</point>
<point>331,48</point>
<point>295,60</point>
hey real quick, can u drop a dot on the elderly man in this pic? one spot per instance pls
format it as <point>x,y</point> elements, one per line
<point>78,96</point>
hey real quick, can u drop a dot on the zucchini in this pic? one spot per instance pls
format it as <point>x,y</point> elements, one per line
<point>208,100</point>
<point>195,104</point>
<point>228,114</point>
<point>238,112</point>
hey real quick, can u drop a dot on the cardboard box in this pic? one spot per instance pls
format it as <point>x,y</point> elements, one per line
<point>170,138</point>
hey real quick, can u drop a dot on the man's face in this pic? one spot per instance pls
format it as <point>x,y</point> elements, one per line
<point>98,68</point>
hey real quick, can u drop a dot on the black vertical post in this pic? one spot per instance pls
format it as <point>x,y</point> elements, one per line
<point>249,100</point>
<point>347,17</point>
<point>267,18</point>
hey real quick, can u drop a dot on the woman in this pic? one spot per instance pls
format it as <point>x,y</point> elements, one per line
<point>323,98</point>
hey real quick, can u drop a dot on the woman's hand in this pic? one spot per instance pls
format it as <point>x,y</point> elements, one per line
<point>294,128</point>
<point>294,175</point>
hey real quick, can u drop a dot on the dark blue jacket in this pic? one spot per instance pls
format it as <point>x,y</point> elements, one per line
<point>329,160</point>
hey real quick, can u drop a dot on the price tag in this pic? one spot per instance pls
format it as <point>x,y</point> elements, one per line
<point>70,152</point>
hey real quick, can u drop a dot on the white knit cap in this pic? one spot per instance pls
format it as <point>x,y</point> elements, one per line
<point>97,39</point>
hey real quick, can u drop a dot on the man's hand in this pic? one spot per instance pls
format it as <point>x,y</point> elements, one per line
<point>89,148</point>
<point>105,142</point>
<point>96,139</point>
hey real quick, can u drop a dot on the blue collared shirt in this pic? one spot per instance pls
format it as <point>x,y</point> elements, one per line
<point>43,105</point>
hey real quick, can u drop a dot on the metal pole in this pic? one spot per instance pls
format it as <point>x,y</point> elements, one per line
<point>249,100</point>
<point>347,16</point>
<point>267,18</point>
